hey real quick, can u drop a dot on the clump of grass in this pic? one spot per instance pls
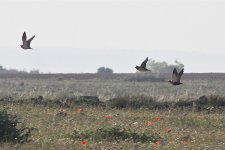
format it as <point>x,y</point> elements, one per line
<point>210,103</point>
<point>85,102</point>
<point>137,102</point>
<point>67,102</point>
<point>9,131</point>
<point>183,104</point>
<point>114,133</point>
<point>144,77</point>
<point>216,100</point>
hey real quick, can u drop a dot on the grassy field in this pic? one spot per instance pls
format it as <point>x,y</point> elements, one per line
<point>107,87</point>
<point>106,128</point>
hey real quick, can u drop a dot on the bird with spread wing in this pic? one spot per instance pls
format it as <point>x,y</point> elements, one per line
<point>176,77</point>
<point>143,66</point>
<point>26,43</point>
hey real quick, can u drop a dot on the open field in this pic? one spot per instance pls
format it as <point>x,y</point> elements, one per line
<point>57,127</point>
<point>110,86</point>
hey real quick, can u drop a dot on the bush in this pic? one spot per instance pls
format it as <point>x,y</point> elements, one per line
<point>9,131</point>
<point>104,70</point>
<point>216,101</point>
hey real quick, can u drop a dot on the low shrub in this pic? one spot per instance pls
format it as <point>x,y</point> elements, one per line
<point>148,102</point>
<point>114,133</point>
<point>216,101</point>
<point>9,131</point>
<point>137,102</point>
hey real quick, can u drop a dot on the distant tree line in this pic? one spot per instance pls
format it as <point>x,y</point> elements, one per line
<point>14,71</point>
<point>163,67</point>
<point>104,70</point>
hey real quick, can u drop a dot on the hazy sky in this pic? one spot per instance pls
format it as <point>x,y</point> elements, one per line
<point>81,35</point>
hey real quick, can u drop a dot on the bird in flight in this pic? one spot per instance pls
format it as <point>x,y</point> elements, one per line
<point>143,66</point>
<point>26,43</point>
<point>176,77</point>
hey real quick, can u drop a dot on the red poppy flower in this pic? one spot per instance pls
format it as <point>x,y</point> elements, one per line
<point>84,142</point>
<point>158,142</point>
<point>158,118</point>
<point>186,141</point>
<point>150,123</point>
<point>108,117</point>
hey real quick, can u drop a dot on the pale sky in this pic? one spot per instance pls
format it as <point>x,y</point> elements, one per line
<point>79,35</point>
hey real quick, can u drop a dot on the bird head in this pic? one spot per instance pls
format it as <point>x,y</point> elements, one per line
<point>137,67</point>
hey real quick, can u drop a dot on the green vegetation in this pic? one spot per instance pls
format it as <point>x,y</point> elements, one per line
<point>110,112</point>
<point>126,129</point>
<point>114,133</point>
<point>9,131</point>
<point>104,70</point>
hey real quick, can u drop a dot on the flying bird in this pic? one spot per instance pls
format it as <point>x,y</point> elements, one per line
<point>176,77</point>
<point>143,66</point>
<point>26,43</point>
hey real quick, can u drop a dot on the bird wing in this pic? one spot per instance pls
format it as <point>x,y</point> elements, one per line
<point>174,75</point>
<point>24,37</point>
<point>30,40</point>
<point>180,74</point>
<point>143,64</point>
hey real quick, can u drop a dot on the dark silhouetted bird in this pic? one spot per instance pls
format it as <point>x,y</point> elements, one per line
<point>143,66</point>
<point>176,77</point>
<point>26,43</point>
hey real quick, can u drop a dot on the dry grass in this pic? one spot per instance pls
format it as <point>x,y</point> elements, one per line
<point>105,89</point>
